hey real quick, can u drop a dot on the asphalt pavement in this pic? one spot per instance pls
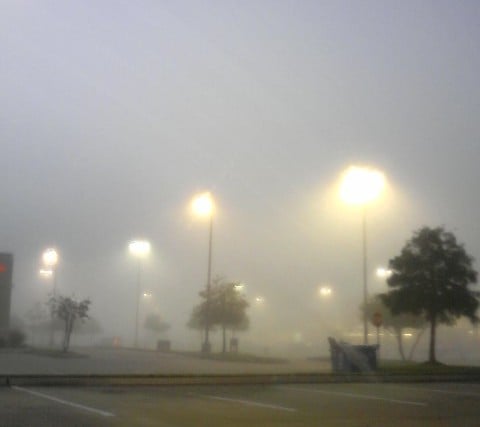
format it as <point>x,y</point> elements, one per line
<point>351,405</point>
<point>111,361</point>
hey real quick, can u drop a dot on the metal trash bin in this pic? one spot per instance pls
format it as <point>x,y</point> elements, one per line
<point>163,345</point>
<point>352,358</point>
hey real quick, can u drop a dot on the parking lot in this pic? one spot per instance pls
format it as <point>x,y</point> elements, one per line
<point>358,405</point>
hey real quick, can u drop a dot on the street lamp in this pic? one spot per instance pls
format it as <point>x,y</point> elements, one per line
<point>325,291</point>
<point>139,249</point>
<point>50,261</point>
<point>361,186</point>
<point>203,206</point>
<point>383,273</point>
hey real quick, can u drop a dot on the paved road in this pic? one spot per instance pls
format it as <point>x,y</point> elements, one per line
<point>124,361</point>
<point>350,405</point>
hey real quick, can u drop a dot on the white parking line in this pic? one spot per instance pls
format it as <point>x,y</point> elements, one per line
<point>250,403</point>
<point>355,396</point>
<point>437,390</point>
<point>64,402</point>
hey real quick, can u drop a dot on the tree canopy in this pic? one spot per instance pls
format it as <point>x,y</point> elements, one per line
<point>395,323</point>
<point>155,323</point>
<point>68,310</point>
<point>226,307</point>
<point>431,277</point>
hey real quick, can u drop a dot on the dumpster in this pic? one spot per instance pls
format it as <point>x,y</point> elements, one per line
<point>163,345</point>
<point>352,358</point>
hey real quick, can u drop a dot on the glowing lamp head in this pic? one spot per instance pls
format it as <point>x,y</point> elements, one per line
<point>361,185</point>
<point>202,205</point>
<point>383,273</point>
<point>50,257</point>
<point>47,273</point>
<point>139,248</point>
<point>325,291</point>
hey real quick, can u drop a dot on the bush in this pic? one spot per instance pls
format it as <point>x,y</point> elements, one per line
<point>16,338</point>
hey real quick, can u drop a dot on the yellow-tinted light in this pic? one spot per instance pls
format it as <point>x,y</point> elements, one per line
<point>361,185</point>
<point>325,291</point>
<point>383,273</point>
<point>50,257</point>
<point>203,204</point>
<point>139,248</point>
<point>46,272</point>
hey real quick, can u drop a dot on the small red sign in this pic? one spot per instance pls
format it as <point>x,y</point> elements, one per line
<point>3,268</point>
<point>377,319</point>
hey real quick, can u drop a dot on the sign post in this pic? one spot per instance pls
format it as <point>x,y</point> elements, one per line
<point>377,320</point>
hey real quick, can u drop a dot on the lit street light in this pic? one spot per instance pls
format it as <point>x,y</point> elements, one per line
<point>361,186</point>
<point>383,273</point>
<point>139,249</point>
<point>202,205</point>
<point>50,261</point>
<point>325,291</point>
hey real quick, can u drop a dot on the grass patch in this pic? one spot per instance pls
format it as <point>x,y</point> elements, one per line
<point>54,353</point>
<point>234,357</point>
<point>425,368</point>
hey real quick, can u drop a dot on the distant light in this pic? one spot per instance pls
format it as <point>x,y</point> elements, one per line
<point>50,257</point>
<point>259,300</point>
<point>239,286</point>
<point>325,291</point>
<point>139,248</point>
<point>407,334</point>
<point>383,273</point>
<point>202,205</point>
<point>361,185</point>
<point>45,272</point>
<point>147,294</point>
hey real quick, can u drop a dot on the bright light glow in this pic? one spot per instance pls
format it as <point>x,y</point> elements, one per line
<point>139,248</point>
<point>202,205</point>
<point>383,273</point>
<point>259,300</point>
<point>45,272</point>
<point>50,257</point>
<point>407,334</point>
<point>361,185</point>
<point>239,287</point>
<point>147,294</point>
<point>325,291</point>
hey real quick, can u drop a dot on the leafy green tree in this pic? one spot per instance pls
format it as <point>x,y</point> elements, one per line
<point>68,310</point>
<point>431,278</point>
<point>155,324</point>
<point>226,308</point>
<point>396,324</point>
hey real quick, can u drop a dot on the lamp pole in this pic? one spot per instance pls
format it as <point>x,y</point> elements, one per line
<point>360,186</point>
<point>365,275</point>
<point>50,260</point>
<point>139,249</point>
<point>203,205</point>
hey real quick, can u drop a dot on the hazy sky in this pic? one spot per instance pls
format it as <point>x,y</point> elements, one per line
<point>114,113</point>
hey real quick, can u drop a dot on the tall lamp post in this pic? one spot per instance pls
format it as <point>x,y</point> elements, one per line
<point>139,249</point>
<point>203,206</point>
<point>361,186</point>
<point>50,261</point>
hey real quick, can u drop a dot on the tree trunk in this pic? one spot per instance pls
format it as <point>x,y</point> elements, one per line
<point>224,337</point>
<point>417,340</point>
<point>433,330</point>
<point>398,335</point>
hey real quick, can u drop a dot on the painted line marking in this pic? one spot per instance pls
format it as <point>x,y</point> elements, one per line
<point>250,403</point>
<point>434,390</point>
<point>357,396</point>
<point>64,402</point>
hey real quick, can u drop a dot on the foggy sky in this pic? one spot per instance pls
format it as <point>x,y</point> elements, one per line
<point>115,113</point>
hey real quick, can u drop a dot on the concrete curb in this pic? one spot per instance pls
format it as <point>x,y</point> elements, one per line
<point>259,379</point>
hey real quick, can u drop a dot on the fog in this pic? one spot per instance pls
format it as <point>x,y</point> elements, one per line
<point>115,114</point>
